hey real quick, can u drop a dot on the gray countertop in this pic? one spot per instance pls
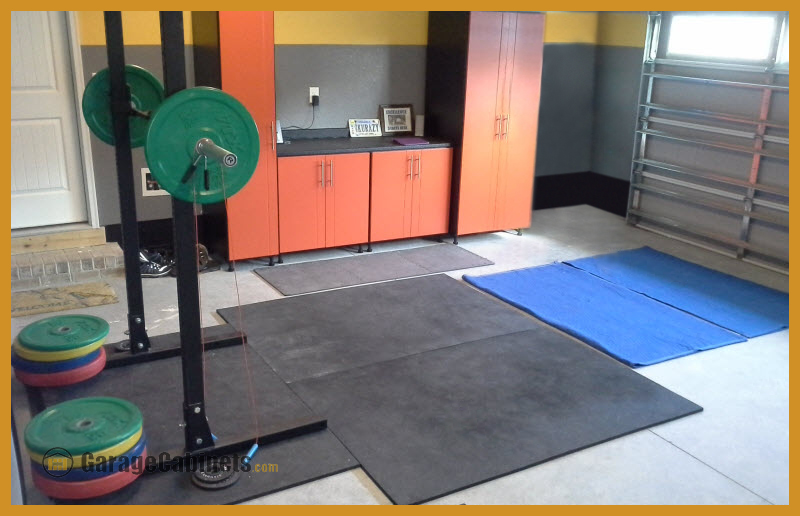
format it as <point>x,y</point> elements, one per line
<point>311,147</point>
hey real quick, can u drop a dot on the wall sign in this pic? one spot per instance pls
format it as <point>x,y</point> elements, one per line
<point>364,127</point>
<point>150,186</point>
<point>397,118</point>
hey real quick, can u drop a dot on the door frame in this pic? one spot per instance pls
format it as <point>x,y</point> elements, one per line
<point>84,137</point>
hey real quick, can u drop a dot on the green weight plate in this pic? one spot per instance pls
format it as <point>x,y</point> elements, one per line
<point>177,125</point>
<point>147,93</point>
<point>63,332</point>
<point>83,425</point>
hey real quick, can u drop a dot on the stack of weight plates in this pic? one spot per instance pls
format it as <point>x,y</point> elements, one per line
<point>86,448</point>
<point>60,350</point>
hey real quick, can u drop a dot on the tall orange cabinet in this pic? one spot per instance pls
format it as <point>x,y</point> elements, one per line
<point>247,62</point>
<point>482,92</point>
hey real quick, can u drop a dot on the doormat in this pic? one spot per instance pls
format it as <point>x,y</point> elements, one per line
<point>69,297</point>
<point>302,278</point>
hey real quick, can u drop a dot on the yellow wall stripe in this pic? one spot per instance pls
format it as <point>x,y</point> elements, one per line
<point>564,27</point>
<point>138,27</point>
<point>377,28</point>
<point>351,28</point>
<point>622,29</point>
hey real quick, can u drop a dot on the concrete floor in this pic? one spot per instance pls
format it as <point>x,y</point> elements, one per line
<point>735,452</point>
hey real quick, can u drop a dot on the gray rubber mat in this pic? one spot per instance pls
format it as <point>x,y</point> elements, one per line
<point>307,336</point>
<point>302,278</point>
<point>427,425</point>
<point>156,388</point>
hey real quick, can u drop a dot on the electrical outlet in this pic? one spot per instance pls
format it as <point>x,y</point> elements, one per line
<point>313,90</point>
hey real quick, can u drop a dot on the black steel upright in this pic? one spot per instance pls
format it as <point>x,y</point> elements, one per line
<point>197,432</point>
<point>120,111</point>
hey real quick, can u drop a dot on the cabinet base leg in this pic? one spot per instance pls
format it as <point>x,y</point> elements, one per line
<point>271,261</point>
<point>369,248</point>
<point>230,267</point>
<point>455,240</point>
<point>360,249</point>
<point>519,232</point>
<point>280,259</point>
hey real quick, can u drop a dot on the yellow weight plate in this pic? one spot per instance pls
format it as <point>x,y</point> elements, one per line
<point>55,356</point>
<point>111,451</point>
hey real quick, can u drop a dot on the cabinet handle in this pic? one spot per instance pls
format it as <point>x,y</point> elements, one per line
<point>419,167</point>
<point>331,164</point>
<point>505,124</point>
<point>497,126</point>
<point>272,133</point>
<point>322,173</point>
<point>410,166</point>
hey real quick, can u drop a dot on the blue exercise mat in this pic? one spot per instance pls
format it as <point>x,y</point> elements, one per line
<point>738,305</point>
<point>630,327</point>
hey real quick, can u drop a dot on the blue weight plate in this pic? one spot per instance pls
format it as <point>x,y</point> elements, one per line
<point>29,366</point>
<point>83,473</point>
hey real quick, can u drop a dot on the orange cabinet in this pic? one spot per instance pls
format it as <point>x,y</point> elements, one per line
<point>247,65</point>
<point>324,201</point>
<point>484,80</point>
<point>410,193</point>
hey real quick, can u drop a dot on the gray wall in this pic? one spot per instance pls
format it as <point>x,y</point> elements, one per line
<point>105,168</point>
<point>353,80</point>
<point>566,111</point>
<point>617,76</point>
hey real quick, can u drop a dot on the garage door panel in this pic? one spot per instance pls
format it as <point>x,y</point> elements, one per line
<point>711,153</point>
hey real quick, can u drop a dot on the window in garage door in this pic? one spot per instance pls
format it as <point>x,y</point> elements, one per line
<point>711,154</point>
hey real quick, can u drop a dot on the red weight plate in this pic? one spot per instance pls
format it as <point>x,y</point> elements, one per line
<point>59,490</point>
<point>64,377</point>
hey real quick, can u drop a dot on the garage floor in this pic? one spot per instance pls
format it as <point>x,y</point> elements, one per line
<point>735,452</point>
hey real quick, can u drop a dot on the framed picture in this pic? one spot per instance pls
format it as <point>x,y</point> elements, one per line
<point>150,186</point>
<point>396,118</point>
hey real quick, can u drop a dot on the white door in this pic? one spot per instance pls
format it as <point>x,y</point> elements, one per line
<point>46,171</point>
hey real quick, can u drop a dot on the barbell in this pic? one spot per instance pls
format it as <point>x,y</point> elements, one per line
<point>201,144</point>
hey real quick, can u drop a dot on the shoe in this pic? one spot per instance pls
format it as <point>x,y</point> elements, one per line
<point>154,270</point>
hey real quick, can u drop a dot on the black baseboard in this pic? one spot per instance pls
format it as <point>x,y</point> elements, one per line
<point>152,233</point>
<point>603,192</point>
<point>158,234</point>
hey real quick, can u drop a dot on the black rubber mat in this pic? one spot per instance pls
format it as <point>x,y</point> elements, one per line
<point>301,278</point>
<point>427,425</point>
<point>307,336</point>
<point>156,388</point>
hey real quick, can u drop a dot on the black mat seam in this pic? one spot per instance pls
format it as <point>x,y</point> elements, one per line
<point>362,366</point>
<point>366,470</point>
<point>701,461</point>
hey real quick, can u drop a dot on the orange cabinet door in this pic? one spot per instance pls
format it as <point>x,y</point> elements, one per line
<point>515,178</point>
<point>431,192</point>
<point>346,199</point>
<point>247,64</point>
<point>481,124</point>
<point>390,195</point>
<point>302,187</point>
